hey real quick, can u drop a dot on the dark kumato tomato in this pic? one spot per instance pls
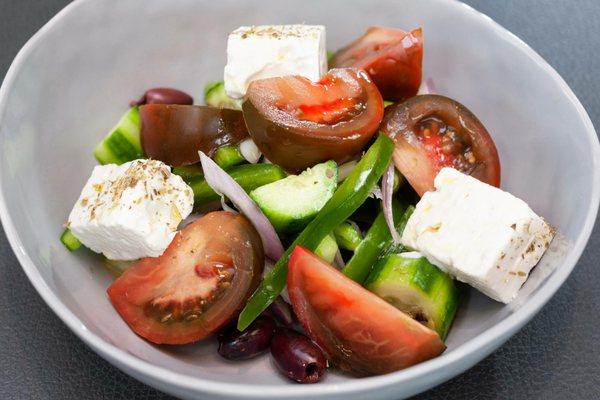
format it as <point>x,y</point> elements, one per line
<point>391,56</point>
<point>431,132</point>
<point>297,123</point>
<point>198,285</point>
<point>174,134</point>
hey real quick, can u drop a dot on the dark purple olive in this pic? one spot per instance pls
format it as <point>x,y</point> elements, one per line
<point>236,345</point>
<point>297,356</point>
<point>281,311</point>
<point>163,96</point>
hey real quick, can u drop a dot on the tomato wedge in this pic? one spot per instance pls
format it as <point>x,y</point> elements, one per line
<point>431,132</point>
<point>391,56</point>
<point>361,333</point>
<point>173,134</point>
<point>197,286</point>
<point>297,123</point>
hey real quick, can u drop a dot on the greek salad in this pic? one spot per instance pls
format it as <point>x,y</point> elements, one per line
<point>320,206</point>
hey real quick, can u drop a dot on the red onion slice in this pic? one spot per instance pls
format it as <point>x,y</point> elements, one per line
<point>224,185</point>
<point>427,87</point>
<point>387,189</point>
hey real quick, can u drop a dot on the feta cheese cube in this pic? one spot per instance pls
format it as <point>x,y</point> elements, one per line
<point>258,52</point>
<point>130,211</point>
<point>478,233</point>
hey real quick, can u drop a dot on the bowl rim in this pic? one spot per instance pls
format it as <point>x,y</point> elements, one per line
<point>473,350</point>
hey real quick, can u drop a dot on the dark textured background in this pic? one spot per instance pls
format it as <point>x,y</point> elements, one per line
<point>41,359</point>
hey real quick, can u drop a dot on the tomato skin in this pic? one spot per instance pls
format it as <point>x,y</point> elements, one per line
<point>181,275</point>
<point>361,333</point>
<point>173,134</point>
<point>297,123</point>
<point>419,158</point>
<point>391,56</point>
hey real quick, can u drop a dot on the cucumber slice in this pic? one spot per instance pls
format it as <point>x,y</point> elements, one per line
<point>327,249</point>
<point>122,144</point>
<point>228,156</point>
<point>215,96</point>
<point>249,176</point>
<point>69,240</point>
<point>291,203</point>
<point>415,286</point>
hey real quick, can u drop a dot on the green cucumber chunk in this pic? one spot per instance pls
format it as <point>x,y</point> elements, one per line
<point>291,203</point>
<point>215,96</point>
<point>327,249</point>
<point>418,288</point>
<point>347,236</point>
<point>228,156</point>
<point>249,176</point>
<point>189,172</point>
<point>122,144</point>
<point>69,240</point>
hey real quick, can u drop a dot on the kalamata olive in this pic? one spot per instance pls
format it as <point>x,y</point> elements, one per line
<point>236,345</point>
<point>163,96</point>
<point>281,311</point>
<point>297,356</point>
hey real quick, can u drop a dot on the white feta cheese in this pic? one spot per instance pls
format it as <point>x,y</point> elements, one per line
<point>130,211</point>
<point>258,52</point>
<point>478,233</point>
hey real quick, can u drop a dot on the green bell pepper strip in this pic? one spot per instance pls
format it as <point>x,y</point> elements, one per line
<point>228,156</point>
<point>347,236</point>
<point>377,242</point>
<point>249,176</point>
<point>346,199</point>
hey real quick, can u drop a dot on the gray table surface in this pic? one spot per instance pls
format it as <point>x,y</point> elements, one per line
<point>554,357</point>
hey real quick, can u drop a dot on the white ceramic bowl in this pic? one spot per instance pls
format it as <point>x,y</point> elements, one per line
<point>73,79</point>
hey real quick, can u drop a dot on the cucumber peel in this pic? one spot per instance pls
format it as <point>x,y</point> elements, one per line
<point>69,240</point>
<point>291,203</point>
<point>215,96</point>
<point>122,144</point>
<point>418,288</point>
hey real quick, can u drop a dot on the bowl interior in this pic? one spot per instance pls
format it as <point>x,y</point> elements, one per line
<point>78,77</point>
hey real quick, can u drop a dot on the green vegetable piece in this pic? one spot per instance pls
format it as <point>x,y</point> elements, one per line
<point>215,96</point>
<point>327,249</point>
<point>249,176</point>
<point>346,199</point>
<point>387,103</point>
<point>69,240</point>
<point>122,144</point>
<point>377,242</point>
<point>330,55</point>
<point>188,172</point>
<point>291,203</point>
<point>228,156</point>
<point>348,236</point>
<point>416,287</point>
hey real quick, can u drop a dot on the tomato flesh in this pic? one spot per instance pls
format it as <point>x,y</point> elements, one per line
<point>297,123</point>
<point>361,333</point>
<point>197,286</point>
<point>391,56</point>
<point>431,132</point>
